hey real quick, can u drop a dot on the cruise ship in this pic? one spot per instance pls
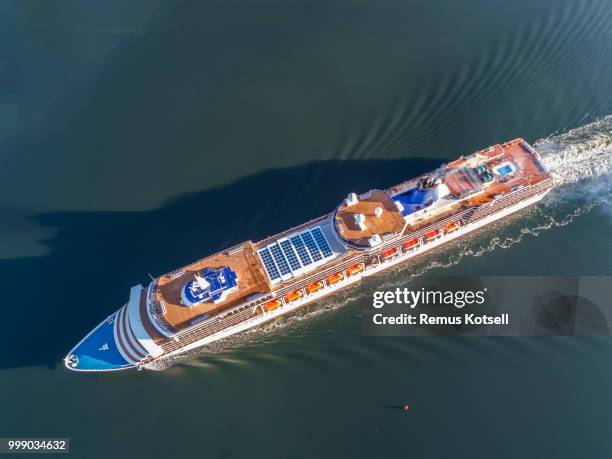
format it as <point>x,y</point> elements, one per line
<point>254,282</point>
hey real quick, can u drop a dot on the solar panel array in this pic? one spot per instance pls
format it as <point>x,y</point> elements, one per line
<point>268,262</point>
<point>311,245</point>
<point>290,254</point>
<point>298,243</point>
<point>322,242</point>
<point>282,259</point>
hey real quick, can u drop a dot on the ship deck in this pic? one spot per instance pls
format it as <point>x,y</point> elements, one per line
<point>251,280</point>
<point>528,171</point>
<point>252,277</point>
<point>391,220</point>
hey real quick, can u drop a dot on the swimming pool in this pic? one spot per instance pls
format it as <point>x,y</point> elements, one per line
<point>504,169</point>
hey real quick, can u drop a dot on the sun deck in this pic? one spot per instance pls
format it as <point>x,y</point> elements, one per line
<point>242,260</point>
<point>470,181</point>
<point>356,223</point>
<point>516,157</point>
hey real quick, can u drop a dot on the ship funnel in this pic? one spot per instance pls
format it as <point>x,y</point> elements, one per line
<point>360,220</point>
<point>375,240</point>
<point>378,211</point>
<point>351,200</point>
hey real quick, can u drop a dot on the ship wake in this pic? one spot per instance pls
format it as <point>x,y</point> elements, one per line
<point>581,154</point>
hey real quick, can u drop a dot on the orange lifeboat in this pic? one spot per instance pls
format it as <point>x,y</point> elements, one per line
<point>452,227</point>
<point>293,296</point>
<point>411,243</point>
<point>315,286</point>
<point>432,234</point>
<point>354,269</point>
<point>388,253</point>
<point>334,278</point>
<point>272,304</point>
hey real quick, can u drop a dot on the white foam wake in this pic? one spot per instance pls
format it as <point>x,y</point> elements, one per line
<point>580,154</point>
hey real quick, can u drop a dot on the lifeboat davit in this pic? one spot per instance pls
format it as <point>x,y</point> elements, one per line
<point>388,253</point>
<point>452,227</point>
<point>293,296</point>
<point>334,278</point>
<point>354,269</point>
<point>411,243</point>
<point>315,286</point>
<point>432,234</point>
<point>272,304</point>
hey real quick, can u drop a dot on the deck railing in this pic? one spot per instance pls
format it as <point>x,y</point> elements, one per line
<point>155,311</point>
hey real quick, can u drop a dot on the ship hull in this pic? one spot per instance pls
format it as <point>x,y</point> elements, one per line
<point>249,284</point>
<point>287,308</point>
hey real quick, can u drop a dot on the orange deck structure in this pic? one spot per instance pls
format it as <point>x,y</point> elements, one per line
<point>251,280</point>
<point>389,222</point>
<point>529,174</point>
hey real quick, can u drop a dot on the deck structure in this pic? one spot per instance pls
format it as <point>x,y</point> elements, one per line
<point>388,221</point>
<point>242,260</point>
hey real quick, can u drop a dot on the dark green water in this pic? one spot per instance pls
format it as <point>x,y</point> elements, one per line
<point>121,122</point>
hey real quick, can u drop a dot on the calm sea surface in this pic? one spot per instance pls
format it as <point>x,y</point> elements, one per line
<point>136,137</point>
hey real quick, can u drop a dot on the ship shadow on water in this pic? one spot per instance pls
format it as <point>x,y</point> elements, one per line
<point>94,258</point>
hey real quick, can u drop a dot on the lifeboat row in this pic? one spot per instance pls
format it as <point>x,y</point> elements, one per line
<point>357,268</point>
<point>413,244</point>
<point>311,288</point>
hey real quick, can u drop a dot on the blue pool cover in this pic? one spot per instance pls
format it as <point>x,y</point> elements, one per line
<point>219,280</point>
<point>505,170</point>
<point>415,199</point>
